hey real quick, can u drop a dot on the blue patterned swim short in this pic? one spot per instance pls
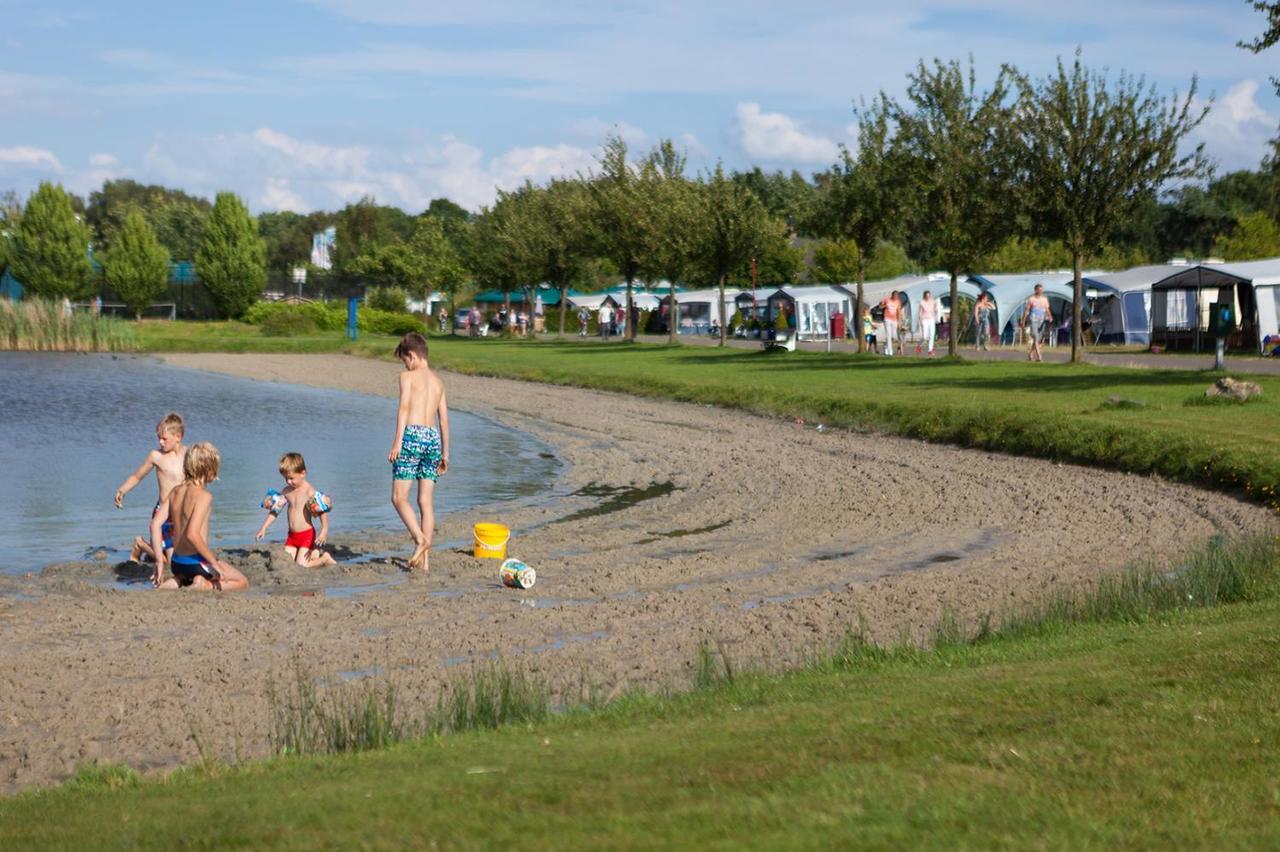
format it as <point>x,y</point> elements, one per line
<point>420,454</point>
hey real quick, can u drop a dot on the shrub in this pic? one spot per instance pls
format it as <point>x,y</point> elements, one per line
<point>389,299</point>
<point>289,323</point>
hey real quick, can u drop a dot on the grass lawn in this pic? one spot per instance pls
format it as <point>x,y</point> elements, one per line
<point>1164,732</point>
<point>166,336</point>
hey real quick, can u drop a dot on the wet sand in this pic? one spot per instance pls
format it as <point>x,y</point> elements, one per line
<point>672,524</point>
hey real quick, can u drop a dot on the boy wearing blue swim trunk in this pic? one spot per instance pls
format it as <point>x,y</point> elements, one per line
<point>420,451</point>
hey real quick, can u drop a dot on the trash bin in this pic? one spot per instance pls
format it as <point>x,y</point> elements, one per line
<point>837,325</point>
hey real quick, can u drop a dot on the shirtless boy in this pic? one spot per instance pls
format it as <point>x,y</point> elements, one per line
<point>421,447</point>
<point>167,463</point>
<point>303,544</point>
<point>188,508</point>
<point>1035,315</point>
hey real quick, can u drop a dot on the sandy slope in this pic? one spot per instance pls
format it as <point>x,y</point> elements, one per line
<point>774,540</point>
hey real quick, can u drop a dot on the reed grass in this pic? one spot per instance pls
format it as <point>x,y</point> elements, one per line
<point>42,325</point>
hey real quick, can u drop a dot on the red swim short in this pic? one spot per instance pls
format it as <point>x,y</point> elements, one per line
<point>304,540</point>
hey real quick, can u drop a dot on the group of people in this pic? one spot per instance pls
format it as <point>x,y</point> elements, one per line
<point>1037,315</point>
<point>517,321</point>
<point>179,535</point>
<point>610,321</point>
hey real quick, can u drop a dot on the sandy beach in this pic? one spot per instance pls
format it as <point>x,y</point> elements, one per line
<point>671,524</point>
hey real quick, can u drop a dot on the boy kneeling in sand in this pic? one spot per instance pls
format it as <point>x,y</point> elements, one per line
<point>188,509</point>
<point>421,448</point>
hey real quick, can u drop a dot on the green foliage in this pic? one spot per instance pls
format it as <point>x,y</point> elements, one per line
<point>390,299</point>
<point>732,226</point>
<point>1091,152</point>
<point>1027,254</point>
<point>836,261</point>
<point>442,266</point>
<point>365,226</point>
<point>288,323</point>
<point>288,235</point>
<point>953,141</point>
<point>176,217</point>
<point>231,260</point>
<point>787,197</point>
<point>332,316</point>
<point>889,260</point>
<point>36,324</point>
<point>50,247</point>
<point>136,265</point>
<point>1255,236</point>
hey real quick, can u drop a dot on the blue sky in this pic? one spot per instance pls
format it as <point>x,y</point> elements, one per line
<point>309,104</point>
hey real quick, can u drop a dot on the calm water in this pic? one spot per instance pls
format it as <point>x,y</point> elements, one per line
<point>72,427</point>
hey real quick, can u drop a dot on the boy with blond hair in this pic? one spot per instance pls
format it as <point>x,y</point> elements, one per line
<point>302,503</point>
<point>420,450</point>
<point>188,508</point>
<point>166,461</point>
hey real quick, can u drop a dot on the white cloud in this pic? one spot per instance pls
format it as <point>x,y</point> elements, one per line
<point>1237,131</point>
<point>103,161</point>
<point>26,156</point>
<point>276,171</point>
<point>772,136</point>
<point>594,131</point>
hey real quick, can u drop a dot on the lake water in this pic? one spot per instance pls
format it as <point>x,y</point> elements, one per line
<point>72,427</point>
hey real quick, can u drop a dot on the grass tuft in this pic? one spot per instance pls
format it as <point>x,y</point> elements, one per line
<point>42,325</point>
<point>713,668</point>
<point>490,696</point>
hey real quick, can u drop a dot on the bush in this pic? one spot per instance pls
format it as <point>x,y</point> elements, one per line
<point>332,316</point>
<point>390,299</point>
<point>289,323</point>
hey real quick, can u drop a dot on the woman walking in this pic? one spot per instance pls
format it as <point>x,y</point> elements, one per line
<point>928,315</point>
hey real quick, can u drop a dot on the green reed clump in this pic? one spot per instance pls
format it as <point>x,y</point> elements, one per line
<point>713,668</point>
<point>490,696</point>
<point>341,719</point>
<point>42,325</point>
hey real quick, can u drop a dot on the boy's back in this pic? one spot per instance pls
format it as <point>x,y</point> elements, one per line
<point>423,390</point>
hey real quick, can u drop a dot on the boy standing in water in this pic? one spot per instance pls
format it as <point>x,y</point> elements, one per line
<point>167,463</point>
<point>188,508</point>
<point>421,447</point>
<point>302,544</point>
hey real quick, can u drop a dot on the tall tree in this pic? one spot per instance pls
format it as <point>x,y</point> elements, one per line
<point>837,262</point>
<point>178,226</point>
<point>136,265</point>
<point>231,260</point>
<point>863,199</point>
<point>442,267</point>
<point>955,141</point>
<point>1255,236</point>
<point>732,224</point>
<point>622,200</point>
<point>1092,152</point>
<point>674,235</point>
<point>51,246</point>
<point>107,208</point>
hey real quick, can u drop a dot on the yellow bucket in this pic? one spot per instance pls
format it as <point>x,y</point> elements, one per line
<point>491,541</point>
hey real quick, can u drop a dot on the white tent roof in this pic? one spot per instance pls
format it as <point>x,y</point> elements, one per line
<point>814,294</point>
<point>1137,278</point>
<point>593,301</point>
<point>709,295</point>
<point>1259,273</point>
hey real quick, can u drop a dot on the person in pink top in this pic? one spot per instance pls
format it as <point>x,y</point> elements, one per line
<point>929,314</point>
<point>892,308</point>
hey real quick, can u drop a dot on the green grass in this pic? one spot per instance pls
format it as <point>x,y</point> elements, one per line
<point>165,336</point>
<point>1153,727</point>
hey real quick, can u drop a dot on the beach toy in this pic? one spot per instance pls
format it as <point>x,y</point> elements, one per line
<point>491,541</point>
<point>516,575</point>
<point>319,503</point>
<point>274,502</point>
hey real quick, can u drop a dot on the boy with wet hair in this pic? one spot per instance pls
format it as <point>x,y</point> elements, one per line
<point>166,461</point>
<point>188,508</point>
<point>420,449</point>
<point>302,503</point>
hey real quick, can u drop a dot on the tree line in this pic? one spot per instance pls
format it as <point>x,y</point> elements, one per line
<point>1068,170</point>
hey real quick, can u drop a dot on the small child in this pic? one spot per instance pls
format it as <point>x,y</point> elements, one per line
<point>869,331</point>
<point>303,503</point>
<point>421,447</point>
<point>188,508</point>
<point>167,463</point>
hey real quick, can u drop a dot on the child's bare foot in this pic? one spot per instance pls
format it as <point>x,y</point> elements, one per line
<point>419,558</point>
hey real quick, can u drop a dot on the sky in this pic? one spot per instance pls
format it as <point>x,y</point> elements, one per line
<point>311,104</point>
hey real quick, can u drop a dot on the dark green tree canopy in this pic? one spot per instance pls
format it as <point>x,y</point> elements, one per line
<point>232,260</point>
<point>50,248</point>
<point>136,266</point>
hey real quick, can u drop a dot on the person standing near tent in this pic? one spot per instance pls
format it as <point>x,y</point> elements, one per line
<point>928,314</point>
<point>584,320</point>
<point>444,319</point>
<point>1035,314</point>
<point>982,321</point>
<point>605,319</point>
<point>892,309</point>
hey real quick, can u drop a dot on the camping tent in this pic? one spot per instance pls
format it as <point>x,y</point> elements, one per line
<point>1010,294</point>
<point>698,311</point>
<point>812,307</point>
<point>1120,302</point>
<point>1180,303</point>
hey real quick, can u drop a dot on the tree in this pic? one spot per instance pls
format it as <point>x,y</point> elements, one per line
<point>1255,236</point>
<point>178,225</point>
<point>442,267</point>
<point>954,140</point>
<point>231,259</point>
<point>674,235</point>
<point>136,265</point>
<point>836,261</point>
<point>863,200</point>
<point>108,207</point>
<point>50,249</point>
<point>731,225</point>
<point>622,203</point>
<point>1090,153</point>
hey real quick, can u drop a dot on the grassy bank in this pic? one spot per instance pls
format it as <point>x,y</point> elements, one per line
<point>1152,724</point>
<point>1064,412</point>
